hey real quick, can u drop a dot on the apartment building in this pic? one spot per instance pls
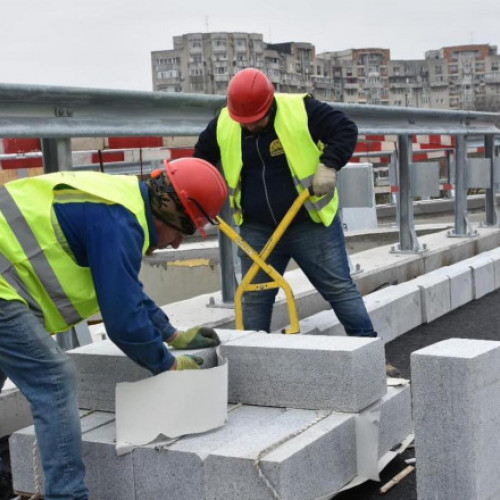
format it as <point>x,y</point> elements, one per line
<point>457,77</point>
<point>205,62</point>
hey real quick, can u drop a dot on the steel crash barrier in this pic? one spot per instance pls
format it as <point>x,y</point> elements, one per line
<point>56,114</point>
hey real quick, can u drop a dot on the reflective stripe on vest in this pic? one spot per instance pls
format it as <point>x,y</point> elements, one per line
<point>37,258</point>
<point>34,266</point>
<point>10,275</point>
<point>302,154</point>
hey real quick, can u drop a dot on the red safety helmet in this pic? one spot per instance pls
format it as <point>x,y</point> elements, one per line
<point>200,187</point>
<point>249,96</point>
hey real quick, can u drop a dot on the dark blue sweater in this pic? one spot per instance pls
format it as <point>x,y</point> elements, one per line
<point>267,185</point>
<point>108,239</point>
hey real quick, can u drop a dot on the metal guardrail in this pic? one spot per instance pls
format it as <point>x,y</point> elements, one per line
<point>55,114</point>
<point>60,112</point>
<point>51,111</point>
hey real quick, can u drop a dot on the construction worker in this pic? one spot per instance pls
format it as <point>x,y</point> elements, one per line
<point>272,147</point>
<point>71,245</point>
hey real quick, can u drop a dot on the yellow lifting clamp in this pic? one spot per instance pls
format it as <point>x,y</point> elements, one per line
<point>259,260</point>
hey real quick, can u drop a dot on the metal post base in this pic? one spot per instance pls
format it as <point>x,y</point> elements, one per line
<point>471,234</point>
<point>397,249</point>
<point>212,302</point>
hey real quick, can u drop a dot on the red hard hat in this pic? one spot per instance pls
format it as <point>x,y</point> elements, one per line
<point>249,96</point>
<point>200,187</point>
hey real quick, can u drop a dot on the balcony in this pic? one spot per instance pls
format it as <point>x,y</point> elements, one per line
<point>437,83</point>
<point>221,78</point>
<point>492,78</point>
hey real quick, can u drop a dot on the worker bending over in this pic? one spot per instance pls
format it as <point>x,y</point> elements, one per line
<point>71,245</point>
<point>272,147</point>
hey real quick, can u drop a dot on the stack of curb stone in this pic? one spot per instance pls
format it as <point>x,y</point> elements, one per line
<point>295,404</point>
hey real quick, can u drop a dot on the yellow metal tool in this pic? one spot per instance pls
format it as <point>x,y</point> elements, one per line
<point>259,260</point>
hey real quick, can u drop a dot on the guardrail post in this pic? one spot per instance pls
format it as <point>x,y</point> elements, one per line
<point>461,221</point>
<point>228,266</point>
<point>227,261</point>
<point>393,183</point>
<point>491,211</point>
<point>56,155</point>
<point>407,236</point>
<point>56,158</point>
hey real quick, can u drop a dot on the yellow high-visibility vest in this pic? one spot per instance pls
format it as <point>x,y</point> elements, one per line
<point>35,267</point>
<point>301,152</point>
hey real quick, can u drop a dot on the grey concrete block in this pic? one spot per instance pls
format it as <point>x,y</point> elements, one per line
<point>306,371</point>
<point>380,311</point>
<point>315,462</point>
<point>460,284</point>
<point>395,422</point>
<point>494,255</point>
<point>24,449</point>
<point>483,275</point>
<point>176,471</point>
<point>101,365</point>
<point>456,405</point>
<point>108,476</point>
<point>322,323</point>
<point>385,308</point>
<point>15,412</point>
<point>435,295</point>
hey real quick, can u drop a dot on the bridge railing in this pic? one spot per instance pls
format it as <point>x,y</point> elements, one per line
<point>57,114</point>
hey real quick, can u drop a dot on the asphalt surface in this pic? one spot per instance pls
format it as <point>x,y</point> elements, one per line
<point>479,319</point>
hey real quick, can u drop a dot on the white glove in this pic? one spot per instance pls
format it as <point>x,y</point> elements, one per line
<point>324,180</point>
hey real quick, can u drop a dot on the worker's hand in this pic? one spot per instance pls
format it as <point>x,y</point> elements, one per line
<point>187,362</point>
<point>324,180</point>
<point>198,337</point>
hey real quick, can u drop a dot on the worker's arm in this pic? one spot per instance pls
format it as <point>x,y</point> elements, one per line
<point>207,147</point>
<point>334,129</point>
<point>159,318</point>
<point>108,239</point>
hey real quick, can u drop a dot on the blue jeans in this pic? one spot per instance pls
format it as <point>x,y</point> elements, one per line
<point>321,254</point>
<point>46,376</point>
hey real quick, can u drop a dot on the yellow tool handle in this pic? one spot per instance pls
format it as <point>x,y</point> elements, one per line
<point>259,263</point>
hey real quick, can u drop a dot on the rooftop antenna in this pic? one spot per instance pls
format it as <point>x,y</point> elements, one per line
<point>206,23</point>
<point>472,38</point>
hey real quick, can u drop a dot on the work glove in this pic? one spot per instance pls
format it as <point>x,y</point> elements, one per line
<point>197,337</point>
<point>187,362</point>
<point>324,180</point>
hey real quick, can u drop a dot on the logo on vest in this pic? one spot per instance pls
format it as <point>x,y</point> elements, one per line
<point>275,148</point>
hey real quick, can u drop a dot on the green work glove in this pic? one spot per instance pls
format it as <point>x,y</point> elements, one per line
<point>188,362</point>
<point>197,337</point>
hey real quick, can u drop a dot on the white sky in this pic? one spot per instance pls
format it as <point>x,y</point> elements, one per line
<point>107,43</point>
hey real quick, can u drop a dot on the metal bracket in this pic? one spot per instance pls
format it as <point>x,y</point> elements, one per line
<point>212,302</point>
<point>419,250</point>
<point>471,232</point>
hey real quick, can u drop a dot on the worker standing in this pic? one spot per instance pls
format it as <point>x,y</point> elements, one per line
<point>273,146</point>
<point>71,245</point>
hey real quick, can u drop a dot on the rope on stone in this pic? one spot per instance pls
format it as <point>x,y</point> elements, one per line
<point>272,447</point>
<point>37,472</point>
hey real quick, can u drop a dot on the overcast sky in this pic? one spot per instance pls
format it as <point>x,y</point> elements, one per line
<point>107,43</point>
